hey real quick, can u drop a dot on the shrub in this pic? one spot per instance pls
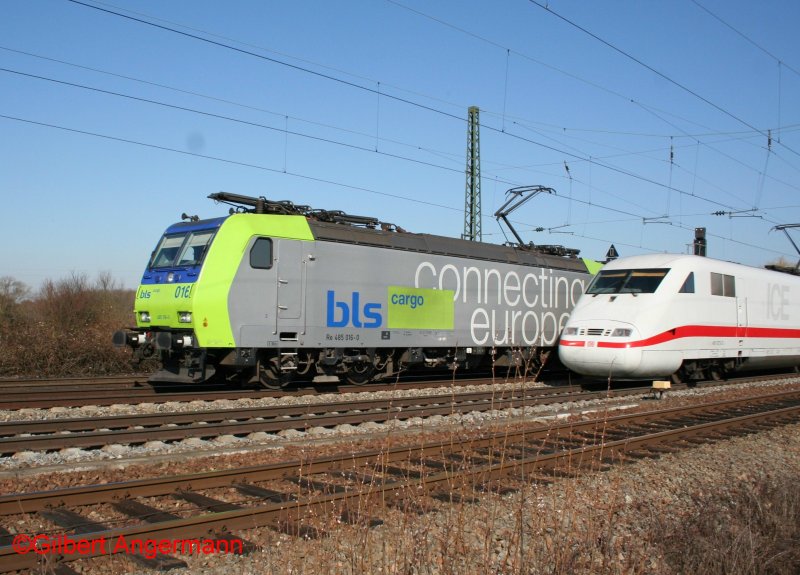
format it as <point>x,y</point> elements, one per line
<point>65,330</point>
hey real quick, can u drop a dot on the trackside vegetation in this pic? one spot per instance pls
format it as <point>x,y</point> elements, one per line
<point>65,328</point>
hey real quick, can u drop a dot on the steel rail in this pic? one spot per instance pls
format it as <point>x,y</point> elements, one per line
<point>276,513</point>
<point>72,396</point>
<point>136,429</point>
<point>88,495</point>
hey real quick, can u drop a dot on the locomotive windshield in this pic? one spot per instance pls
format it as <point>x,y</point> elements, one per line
<point>182,249</point>
<point>627,281</point>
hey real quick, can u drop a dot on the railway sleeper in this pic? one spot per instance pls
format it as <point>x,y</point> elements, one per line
<point>6,537</point>
<point>364,479</point>
<point>359,517</point>
<point>297,528</point>
<point>71,520</point>
<point>402,472</point>
<point>206,503</point>
<point>80,525</point>
<point>322,486</point>
<point>263,493</point>
<point>661,449</point>
<point>143,512</point>
<point>496,488</point>
<point>452,497</point>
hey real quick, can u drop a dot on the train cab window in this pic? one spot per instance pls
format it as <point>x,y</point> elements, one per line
<point>186,249</point>
<point>261,254</point>
<point>723,284</point>
<point>194,249</point>
<point>167,249</point>
<point>688,284</point>
<point>627,281</point>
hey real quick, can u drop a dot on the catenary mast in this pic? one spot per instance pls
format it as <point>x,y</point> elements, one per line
<point>472,202</point>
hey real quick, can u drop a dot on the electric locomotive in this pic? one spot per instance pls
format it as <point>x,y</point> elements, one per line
<point>276,291</point>
<point>683,317</point>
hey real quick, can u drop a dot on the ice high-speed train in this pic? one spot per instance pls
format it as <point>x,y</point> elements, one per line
<point>682,316</point>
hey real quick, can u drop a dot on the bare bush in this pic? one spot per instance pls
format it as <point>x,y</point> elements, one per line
<point>65,330</point>
<point>12,292</point>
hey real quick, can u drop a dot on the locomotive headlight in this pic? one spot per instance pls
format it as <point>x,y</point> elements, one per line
<point>144,316</point>
<point>185,317</point>
<point>570,331</point>
<point>622,332</point>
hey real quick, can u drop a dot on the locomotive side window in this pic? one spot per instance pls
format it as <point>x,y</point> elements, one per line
<point>627,281</point>
<point>723,284</point>
<point>261,254</point>
<point>688,284</point>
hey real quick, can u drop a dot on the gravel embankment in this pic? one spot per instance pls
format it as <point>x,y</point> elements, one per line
<point>630,519</point>
<point>620,521</point>
<point>115,454</point>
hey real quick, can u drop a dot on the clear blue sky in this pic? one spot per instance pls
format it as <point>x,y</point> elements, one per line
<point>110,127</point>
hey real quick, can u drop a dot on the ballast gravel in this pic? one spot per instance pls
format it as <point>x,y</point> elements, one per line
<point>620,521</point>
<point>53,461</point>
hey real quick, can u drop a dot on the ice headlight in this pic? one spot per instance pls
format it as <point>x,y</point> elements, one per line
<point>622,332</point>
<point>144,316</point>
<point>570,331</point>
<point>185,317</point>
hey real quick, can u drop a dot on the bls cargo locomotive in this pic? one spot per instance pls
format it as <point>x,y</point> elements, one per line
<point>275,291</point>
<point>683,317</point>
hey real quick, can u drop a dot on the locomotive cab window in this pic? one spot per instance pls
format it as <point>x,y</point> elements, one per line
<point>627,281</point>
<point>194,248</point>
<point>688,284</point>
<point>186,249</point>
<point>261,254</point>
<point>723,284</point>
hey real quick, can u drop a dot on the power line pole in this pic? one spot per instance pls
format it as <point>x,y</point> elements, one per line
<point>472,201</point>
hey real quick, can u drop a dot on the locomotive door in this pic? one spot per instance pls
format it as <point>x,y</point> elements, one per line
<point>290,279</point>
<point>741,318</point>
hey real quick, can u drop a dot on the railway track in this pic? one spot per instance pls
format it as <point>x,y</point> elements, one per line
<point>44,394</point>
<point>95,432</point>
<point>307,497</point>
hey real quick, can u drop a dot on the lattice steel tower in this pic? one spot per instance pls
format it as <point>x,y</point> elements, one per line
<point>472,202</point>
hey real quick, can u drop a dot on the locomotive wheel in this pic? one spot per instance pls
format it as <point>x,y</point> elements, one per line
<point>271,376</point>
<point>360,373</point>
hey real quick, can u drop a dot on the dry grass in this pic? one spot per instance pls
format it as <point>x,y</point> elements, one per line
<point>542,529</point>
<point>757,532</point>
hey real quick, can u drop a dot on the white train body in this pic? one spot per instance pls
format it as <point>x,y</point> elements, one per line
<point>682,316</point>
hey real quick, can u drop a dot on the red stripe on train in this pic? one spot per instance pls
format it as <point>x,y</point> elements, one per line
<point>691,331</point>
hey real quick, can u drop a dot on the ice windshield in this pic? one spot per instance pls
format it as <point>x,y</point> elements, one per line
<point>627,281</point>
<point>182,250</point>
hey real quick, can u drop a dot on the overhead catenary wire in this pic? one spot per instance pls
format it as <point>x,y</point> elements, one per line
<point>343,144</point>
<point>653,70</point>
<point>325,180</point>
<point>374,91</point>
